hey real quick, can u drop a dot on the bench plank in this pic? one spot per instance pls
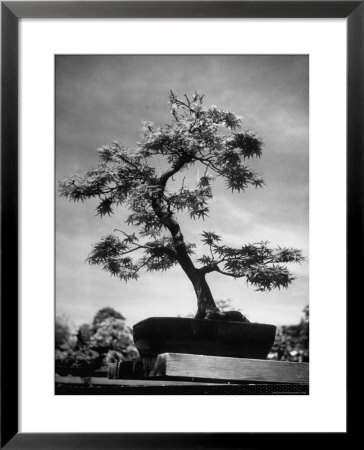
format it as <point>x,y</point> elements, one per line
<point>224,368</point>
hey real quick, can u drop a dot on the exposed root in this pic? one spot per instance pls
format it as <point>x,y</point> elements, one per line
<point>234,316</point>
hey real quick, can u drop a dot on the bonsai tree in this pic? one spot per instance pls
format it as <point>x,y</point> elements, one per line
<point>214,139</point>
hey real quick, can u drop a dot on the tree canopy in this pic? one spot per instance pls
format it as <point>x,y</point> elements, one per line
<point>107,339</point>
<point>105,313</point>
<point>214,139</point>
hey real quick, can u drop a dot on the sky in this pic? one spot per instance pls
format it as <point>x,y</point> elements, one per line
<point>103,98</point>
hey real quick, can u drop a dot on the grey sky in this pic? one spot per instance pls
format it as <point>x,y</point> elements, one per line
<point>102,98</point>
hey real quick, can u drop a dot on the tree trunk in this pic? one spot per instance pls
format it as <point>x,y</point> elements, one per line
<point>205,301</point>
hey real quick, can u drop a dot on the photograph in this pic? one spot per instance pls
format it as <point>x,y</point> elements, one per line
<point>181,224</point>
<point>181,189</point>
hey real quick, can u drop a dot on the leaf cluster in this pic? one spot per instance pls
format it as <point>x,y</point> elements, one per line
<point>261,265</point>
<point>209,136</point>
<point>114,255</point>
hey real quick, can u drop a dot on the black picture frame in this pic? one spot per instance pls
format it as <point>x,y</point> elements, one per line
<point>11,12</point>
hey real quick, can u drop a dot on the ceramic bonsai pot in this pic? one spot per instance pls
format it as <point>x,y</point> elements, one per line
<point>157,335</point>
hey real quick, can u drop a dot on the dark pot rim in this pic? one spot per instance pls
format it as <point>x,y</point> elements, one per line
<point>189,319</point>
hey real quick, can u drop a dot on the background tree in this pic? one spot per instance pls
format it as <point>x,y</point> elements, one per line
<point>107,339</point>
<point>84,334</point>
<point>114,340</point>
<point>214,139</point>
<point>105,313</point>
<point>292,341</point>
<point>62,333</point>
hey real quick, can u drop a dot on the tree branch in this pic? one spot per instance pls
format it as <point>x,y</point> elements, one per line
<point>228,274</point>
<point>182,161</point>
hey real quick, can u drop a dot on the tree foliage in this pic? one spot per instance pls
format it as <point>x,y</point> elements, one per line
<point>210,137</point>
<point>84,334</point>
<point>105,313</point>
<point>107,339</point>
<point>292,341</point>
<point>259,264</point>
<point>111,334</point>
<point>62,333</point>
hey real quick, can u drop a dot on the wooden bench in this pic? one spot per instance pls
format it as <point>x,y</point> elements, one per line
<point>187,374</point>
<point>215,369</point>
